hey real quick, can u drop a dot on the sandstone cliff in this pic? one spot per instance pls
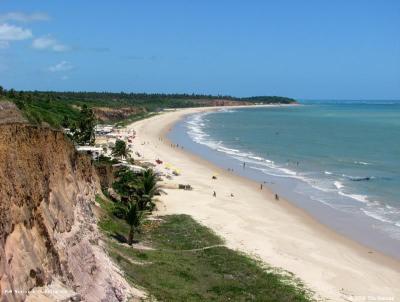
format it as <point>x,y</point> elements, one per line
<point>107,114</point>
<point>48,233</point>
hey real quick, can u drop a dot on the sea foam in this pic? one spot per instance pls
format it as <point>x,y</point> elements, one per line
<point>197,124</point>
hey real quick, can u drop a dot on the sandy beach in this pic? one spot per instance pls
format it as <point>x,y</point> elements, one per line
<point>252,221</point>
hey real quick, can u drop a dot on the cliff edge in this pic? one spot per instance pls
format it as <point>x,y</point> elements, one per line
<point>50,247</point>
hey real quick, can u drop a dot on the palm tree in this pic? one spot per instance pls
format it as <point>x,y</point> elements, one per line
<point>120,149</point>
<point>132,215</point>
<point>147,188</point>
<point>138,193</point>
<point>126,183</point>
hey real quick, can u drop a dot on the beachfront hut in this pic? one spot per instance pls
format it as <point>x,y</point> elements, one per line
<point>103,129</point>
<point>94,152</point>
<point>133,168</point>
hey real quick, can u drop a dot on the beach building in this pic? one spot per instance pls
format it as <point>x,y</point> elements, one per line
<point>94,152</point>
<point>103,129</point>
<point>133,168</point>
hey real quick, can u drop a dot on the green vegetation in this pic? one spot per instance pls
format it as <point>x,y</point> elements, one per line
<point>133,216</point>
<point>147,189</point>
<point>82,132</point>
<point>120,149</point>
<point>61,109</point>
<point>183,261</point>
<point>188,262</point>
<point>135,118</point>
<point>137,192</point>
<point>40,109</point>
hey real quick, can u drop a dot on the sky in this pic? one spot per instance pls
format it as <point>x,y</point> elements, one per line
<point>310,49</point>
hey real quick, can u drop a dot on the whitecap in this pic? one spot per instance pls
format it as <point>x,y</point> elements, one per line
<point>376,216</point>
<point>362,163</point>
<point>358,197</point>
<point>338,184</point>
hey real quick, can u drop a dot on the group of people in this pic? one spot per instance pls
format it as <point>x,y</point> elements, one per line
<point>176,146</point>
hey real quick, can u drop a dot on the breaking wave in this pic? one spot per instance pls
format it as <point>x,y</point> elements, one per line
<point>334,183</point>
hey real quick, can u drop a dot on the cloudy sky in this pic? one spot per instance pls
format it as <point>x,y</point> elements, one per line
<point>316,49</point>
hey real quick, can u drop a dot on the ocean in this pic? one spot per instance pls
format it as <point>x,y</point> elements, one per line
<point>338,160</point>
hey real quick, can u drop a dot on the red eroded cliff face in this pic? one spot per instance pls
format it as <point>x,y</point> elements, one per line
<point>107,114</point>
<point>48,233</point>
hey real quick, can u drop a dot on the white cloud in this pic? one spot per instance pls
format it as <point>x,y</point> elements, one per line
<point>48,43</point>
<point>23,17</point>
<point>62,66</point>
<point>13,33</point>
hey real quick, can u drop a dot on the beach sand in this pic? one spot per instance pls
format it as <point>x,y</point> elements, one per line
<point>252,221</point>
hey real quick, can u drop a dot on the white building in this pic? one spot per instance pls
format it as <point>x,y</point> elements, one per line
<point>95,152</point>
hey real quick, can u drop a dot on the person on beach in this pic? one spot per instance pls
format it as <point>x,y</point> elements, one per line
<point>215,194</point>
<point>261,186</point>
<point>244,165</point>
<point>276,197</point>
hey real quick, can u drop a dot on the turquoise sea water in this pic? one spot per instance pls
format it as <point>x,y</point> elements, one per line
<point>344,155</point>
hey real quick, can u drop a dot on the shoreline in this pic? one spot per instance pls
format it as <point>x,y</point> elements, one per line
<point>355,225</point>
<point>279,233</point>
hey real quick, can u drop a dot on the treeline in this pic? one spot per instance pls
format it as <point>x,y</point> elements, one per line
<point>151,97</point>
<point>54,107</point>
<point>122,98</point>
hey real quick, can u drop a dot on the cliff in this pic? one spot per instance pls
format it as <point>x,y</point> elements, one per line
<point>107,114</point>
<point>48,232</point>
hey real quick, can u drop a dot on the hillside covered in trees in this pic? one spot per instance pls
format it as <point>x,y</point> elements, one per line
<point>59,108</point>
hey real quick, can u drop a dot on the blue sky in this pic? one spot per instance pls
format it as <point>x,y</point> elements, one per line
<point>303,49</point>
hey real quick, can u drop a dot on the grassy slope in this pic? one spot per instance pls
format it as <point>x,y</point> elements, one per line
<point>50,112</point>
<point>174,272</point>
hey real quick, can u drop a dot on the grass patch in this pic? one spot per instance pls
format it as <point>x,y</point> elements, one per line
<point>50,112</point>
<point>109,224</point>
<point>176,271</point>
<point>180,232</point>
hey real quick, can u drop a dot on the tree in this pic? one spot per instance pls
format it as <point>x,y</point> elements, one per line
<point>147,188</point>
<point>120,149</point>
<point>1,90</point>
<point>84,133</point>
<point>126,183</point>
<point>11,93</point>
<point>140,188</point>
<point>132,215</point>
<point>137,192</point>
<point>65,121</point>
